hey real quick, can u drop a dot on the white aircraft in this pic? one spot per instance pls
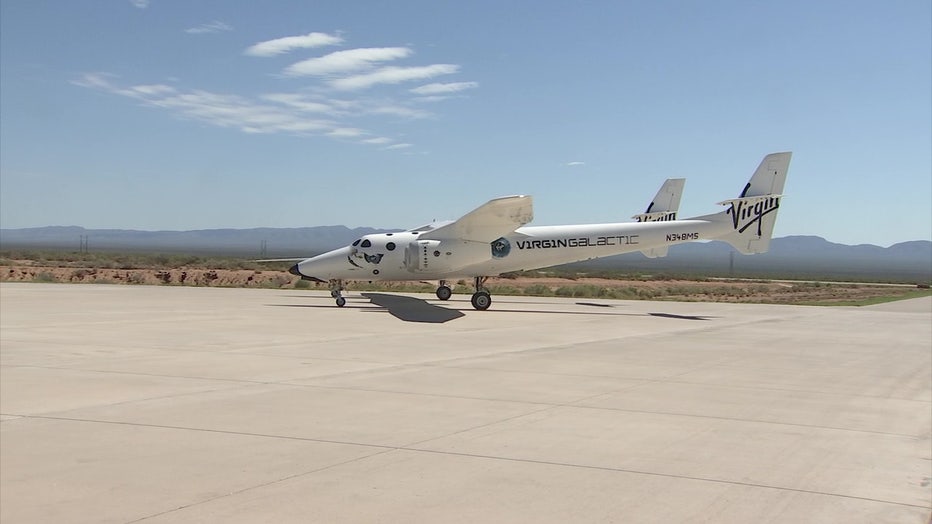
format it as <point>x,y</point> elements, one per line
<point>493,239</point>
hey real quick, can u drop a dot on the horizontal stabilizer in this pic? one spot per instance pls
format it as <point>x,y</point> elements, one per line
<point>657,216</point>
<point>749,201</point>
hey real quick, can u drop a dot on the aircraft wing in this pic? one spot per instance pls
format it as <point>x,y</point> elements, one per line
<point>490,221</point>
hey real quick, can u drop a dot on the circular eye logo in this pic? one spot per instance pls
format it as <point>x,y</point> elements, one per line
<point>501,248</point>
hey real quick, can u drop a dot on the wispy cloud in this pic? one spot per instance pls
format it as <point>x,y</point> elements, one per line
<point>346,61</point>
<point>211,27</point>
<point>346,132</point>
<point>218,109</point>
<point>576,163</point>
<point>328,102</point>
<point>95,81</point>
<point>290,43</point>
<point>444,89</point>
<point>301,103</point>
<point>392,75</point>
<point>150,90</point>
<point>315,103</point>
<point>140,4</point>
<point>396,110</point>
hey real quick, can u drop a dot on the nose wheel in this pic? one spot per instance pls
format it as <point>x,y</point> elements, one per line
<point>481,299</point>
<point>336,291</point>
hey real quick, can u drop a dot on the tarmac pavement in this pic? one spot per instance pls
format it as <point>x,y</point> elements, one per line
<point>178,404</point>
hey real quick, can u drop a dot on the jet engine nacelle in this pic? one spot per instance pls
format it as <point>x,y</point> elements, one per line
<point>440,256</point>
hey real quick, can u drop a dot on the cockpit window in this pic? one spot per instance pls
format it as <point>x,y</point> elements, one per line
<point>356,243</point>
<point>366,243</point>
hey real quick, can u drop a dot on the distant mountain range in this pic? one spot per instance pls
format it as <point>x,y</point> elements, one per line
<point>792,256</point>
<point>797,256</point>
<point>272,242</point>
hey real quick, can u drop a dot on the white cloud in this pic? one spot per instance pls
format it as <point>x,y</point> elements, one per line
<point>346,132</point>
<point>577,163</point>
<point>95,81</point>
<point>316,109</point>
<point>346,61</point>
<point>151,90</point>
<point>140,4</point>
<point>378,140</point>
<point>300,103</point>
<point>392,75</point>
<point>435,98</point>
<point>289,43</point>
<point>221,110</point>
<point>396,110</point>
<point>443,89</point>
<point>211,27</point>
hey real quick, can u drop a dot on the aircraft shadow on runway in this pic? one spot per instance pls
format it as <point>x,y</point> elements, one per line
<point>679,317</point>
<point>412,309</point>
<point>408,309</point>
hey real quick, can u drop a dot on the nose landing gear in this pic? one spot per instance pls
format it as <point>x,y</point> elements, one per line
<point>336,291</point>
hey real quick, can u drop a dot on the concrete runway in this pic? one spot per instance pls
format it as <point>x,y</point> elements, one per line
<point>171,404</point>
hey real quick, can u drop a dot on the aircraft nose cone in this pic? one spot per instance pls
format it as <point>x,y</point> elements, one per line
<point>296,271</point>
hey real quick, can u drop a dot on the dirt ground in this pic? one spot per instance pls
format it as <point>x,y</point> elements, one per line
<point>712,290</point>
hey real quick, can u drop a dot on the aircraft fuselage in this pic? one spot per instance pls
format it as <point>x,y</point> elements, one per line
<point>494,238</point>
<point>401,256</point>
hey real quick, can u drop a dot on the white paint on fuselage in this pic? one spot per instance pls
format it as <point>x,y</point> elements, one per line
<point>531,247</point>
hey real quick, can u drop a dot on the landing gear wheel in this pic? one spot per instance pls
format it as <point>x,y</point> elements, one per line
<point>444,293</point>
<point>336,291</point>
<point>481,300</point>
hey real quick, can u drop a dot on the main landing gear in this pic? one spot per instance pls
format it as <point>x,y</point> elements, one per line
<point>336,291</point>
<point>481,299</point>
<point>444,292</point>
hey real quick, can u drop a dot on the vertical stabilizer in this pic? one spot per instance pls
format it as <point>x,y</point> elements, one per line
<point>665,203</point>
<point>752,215</point>
<point>662,208</point>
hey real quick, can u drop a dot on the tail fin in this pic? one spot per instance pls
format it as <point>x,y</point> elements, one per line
<point>665,203</point>
<point>662,209</point>
<point>754,212</point>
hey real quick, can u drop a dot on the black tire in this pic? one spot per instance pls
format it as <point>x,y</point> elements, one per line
<point>444,293</point>
<point>481,300</point>
<point>341,301</point>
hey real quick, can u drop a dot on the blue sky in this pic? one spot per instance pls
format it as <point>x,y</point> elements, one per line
<point>189,115</point>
